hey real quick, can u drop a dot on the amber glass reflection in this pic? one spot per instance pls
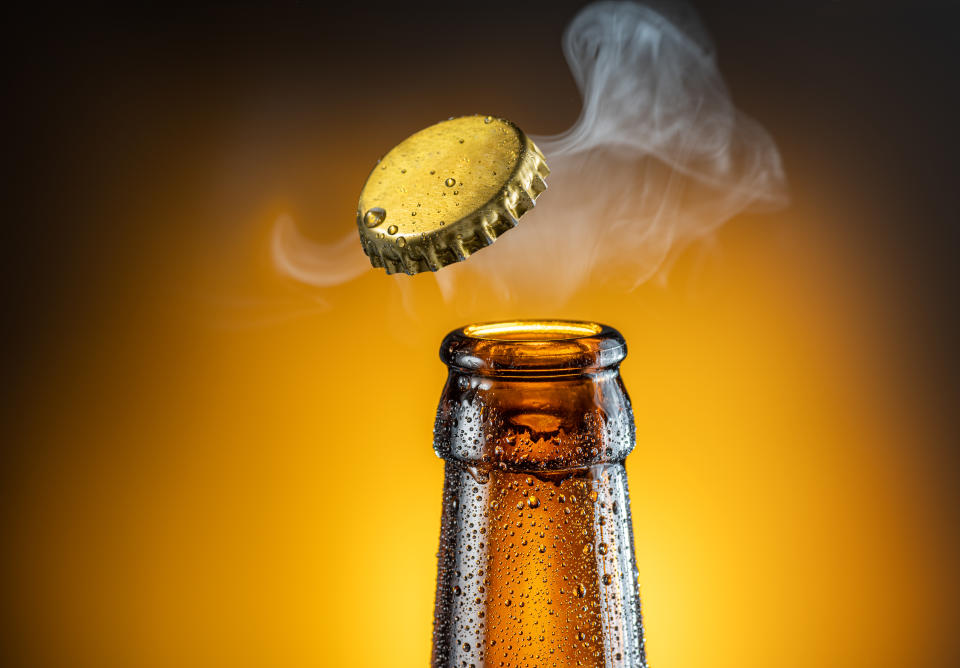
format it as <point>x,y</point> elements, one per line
<point>536,561</point>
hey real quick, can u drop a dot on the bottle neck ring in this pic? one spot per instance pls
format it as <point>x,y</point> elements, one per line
<point>533,347</point>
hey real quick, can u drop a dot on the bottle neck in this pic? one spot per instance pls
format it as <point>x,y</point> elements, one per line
<point>534,396</point>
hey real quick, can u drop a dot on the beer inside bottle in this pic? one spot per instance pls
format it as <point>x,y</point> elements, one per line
<point>536,559</point>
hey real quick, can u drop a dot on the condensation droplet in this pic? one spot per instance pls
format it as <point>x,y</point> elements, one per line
<point>392,229</point>
<point>488,119</point>
<point>533,501</point>
<point>450,182</point>
<point>607,578</point>
<point>374,216</point>
<point>581,591</point>
<point>401,242</point>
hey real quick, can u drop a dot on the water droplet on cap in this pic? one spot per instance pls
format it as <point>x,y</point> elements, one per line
<point>374,216</point>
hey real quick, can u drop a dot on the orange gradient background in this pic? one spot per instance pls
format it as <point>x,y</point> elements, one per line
<point>211,465</point>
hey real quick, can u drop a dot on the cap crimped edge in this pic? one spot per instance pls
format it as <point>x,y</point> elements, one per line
<point>458,241</point>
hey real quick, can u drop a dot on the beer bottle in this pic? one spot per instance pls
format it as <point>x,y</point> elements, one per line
<point>536,561</point>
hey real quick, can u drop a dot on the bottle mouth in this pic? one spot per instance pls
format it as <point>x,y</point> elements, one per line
<point>533,330</point>
<point>525,346</point>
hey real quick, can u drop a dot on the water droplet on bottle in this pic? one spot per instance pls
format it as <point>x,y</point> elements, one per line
<point>432,172</point>
<point>466,647</point>
<point>602,549</point>
<point>413,213</point>
<point>533,501</point>
<point>581,635</point>
<point>581,591</point>
<point>461,141</point>
<point>392,229</point>
<point>588,548</point>
<point>401,242</point>
<point>374,216</point>
<point>403,171</point>
<point>450,182</point>
<point>488,119</point>
<point>543,548</point>
<point>456,192</point>
<point>507,602</point>
<point>607,578</point>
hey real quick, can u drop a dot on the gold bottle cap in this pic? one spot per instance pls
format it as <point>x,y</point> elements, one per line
<point>447,191</point>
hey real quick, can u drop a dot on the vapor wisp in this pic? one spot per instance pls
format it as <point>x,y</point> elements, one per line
<point>658,158</point>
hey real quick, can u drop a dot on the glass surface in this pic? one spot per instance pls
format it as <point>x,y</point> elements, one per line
<point>536,561</point>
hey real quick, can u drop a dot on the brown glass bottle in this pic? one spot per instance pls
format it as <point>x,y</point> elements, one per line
<point>536,562</point>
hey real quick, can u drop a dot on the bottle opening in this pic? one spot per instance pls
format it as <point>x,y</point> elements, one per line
<point>532,330</point>
<point>524,346</point>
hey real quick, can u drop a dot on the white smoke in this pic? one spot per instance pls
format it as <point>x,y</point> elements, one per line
<point>658,158</point>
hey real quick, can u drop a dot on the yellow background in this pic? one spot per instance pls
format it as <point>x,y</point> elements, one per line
<point>258,487</point>
<point>214,466</point>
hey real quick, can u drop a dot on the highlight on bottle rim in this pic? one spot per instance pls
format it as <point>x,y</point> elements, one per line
<point>448,191</point>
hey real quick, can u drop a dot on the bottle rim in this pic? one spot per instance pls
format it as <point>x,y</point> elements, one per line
<point>535,345</point>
